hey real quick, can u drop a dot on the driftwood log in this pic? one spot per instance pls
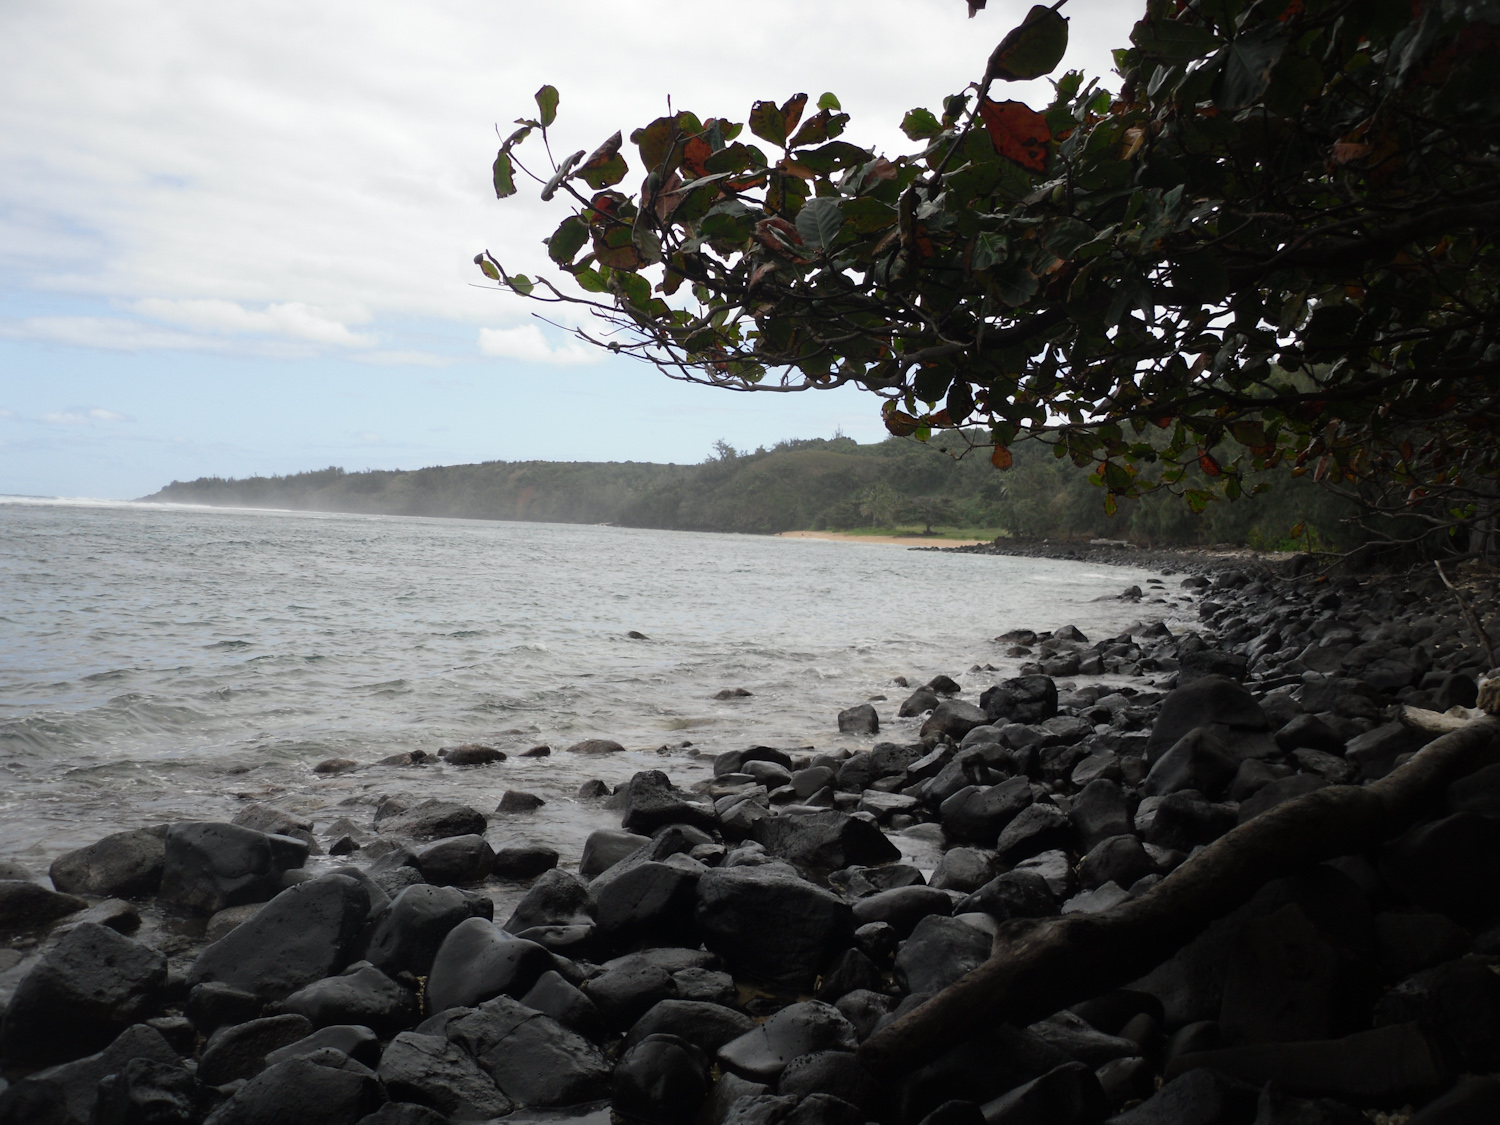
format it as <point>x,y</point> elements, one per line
<point>1039,966</point>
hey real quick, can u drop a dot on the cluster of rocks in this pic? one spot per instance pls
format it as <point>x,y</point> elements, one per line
<point>721,956</point>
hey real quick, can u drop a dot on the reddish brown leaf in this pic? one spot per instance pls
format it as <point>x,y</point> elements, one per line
<point>1207,463</point>
<point>1001,458</point>
<point>695,154</point>
<point>900,423</point>
<point>1018,132</point>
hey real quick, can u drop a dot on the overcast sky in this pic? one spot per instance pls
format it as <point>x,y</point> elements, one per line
<point>238,238</point>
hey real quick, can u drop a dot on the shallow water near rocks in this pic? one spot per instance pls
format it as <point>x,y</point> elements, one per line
<point>161,663</point>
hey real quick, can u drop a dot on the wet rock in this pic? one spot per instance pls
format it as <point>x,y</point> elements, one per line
<point>595,746</point>
<point>652,802</point>
<point>651,902</point>
<point>824,841</point>
<point>860,719</point>
<point>31,906</point>
<point>428,1070</point>
<point>1025,699</point>
<point>211,1006</point>
<point>1374,753</point>
<point>359,1043</point>
<point>1282,981</point>
<point>1198,760</point>
<point>456,859</point>
<point>1450,865</point>
<point>1181,821</point>
<point>473,754</point>
<point>69,1091</point>
<point>532,1058</point>
<point>1388,1063</point>
<point>986,1066</point>
<point>1458,1004</point>
<point>1014,894</point>
<point>518,801</point>
<point>593,789</point>
<point>240,1050</point>
<point>606,847</point>
<point>557,898</point>
<point>939,951</point>
<point>799,1029</point>
<point>706,985</point>
<point>851,971</point>
<point>336,765</point>
<point>302,935</point>
<point>838,1074</point>
<point>1076,1038</point>
<point>1311,732</point>
<point>361,994</point>
<point>964,869</point>
<point>1216,702</point>
<point>208,866</point>
<point>1119,859</point>
<point>405,1113</point>
<point>405,936</point>
<point>1038,828</point>
<point>1477,793</point>
<point>1278,793</point>
<point>626,991</point>
<point>902,907</point>
<point>553,996</point>
<point>917,703</point>
<point>523,861</point>
<point>770,925</point>
<point>1066,1094</point>
<point>1197,1097</point>
<point>125,865</point>
<point>662,1080</point>
<point>982,812</point>
<point>1098,812</point>
<point>477,961</point>
<point>80,995</point>
<point>156,1092</point>
<point>327,1087</point>
<point>1408,943</point>
<point>952,718</point>
<point>432,819</point>
<point>864,1009</point>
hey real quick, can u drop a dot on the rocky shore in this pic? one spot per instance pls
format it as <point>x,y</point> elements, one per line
<point>723,955</point>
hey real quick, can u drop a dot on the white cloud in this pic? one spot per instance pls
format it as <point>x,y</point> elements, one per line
<point>100,415</point>
<point>317,174</point>
<point>527,343</point>
<point>7,413</point>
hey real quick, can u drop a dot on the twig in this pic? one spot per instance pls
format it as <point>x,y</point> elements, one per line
<point>1469,615</point>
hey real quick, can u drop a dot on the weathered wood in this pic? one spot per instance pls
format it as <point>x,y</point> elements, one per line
<point>1042,965</point>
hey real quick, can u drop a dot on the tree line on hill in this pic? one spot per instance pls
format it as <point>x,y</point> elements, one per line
<point>812,484</point>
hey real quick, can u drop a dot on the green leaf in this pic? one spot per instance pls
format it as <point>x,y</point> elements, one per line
<point>521,284</point>
<point>605,167</point>
<point>504,175</point>
<point>567,240</point>
<point>828,101</point>
<point>1067,236</point>
<point>655,142</point>
<point>1248,61</point>
<point>819,222</point>
<point>833,156</point>
<point>486,267</point>
<point>1014,285</point>
<point>1202,274</point>
<point>919,124</point>
<point>591,281</point>
<point>546,101</point>
<point>866,214</point>
<point>1033,49</point>
<point>990,249</point>
<point>768,123</point>
<point>1173,40</point>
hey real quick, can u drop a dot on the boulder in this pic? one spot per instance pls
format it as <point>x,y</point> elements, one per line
<point>902,907</point>
<point>982,812</point>
<point>1014,894</point>
<point>837,1074</point>
<point>80,995</point>
<point>596,746</point>
<point>709,1026</point>
<point>304,934</point>
<point>860,719</point>
<point>553,996</point>
<point>456,859</point>
<point>428,1070</point>
<point>1119,859</point>
<point>798,1029</point>
<point>1374,753</point>
<point>1477,793</point>
<point>824,841</point>
<point>1450,865</point>
<point>1036,829</point>
<point>770,925</point>
<point>208,866</point>
<point>122,865</point>
<point>532,1058</point>
<point>939,951</point>
<point>1282,981</point>
<point>979,1070</point>
<point>327,1087</point>
<point>952,718</point>
<point>652,802</point>
<point>477,961</point>
<point>213,1005</point>
<point>627,990</point>
<point>68,1092</point>
<point>1025,699</point>
<point>359,1043</point>
<point>1098,812</point>
<point>661,1080</point>
<point>523,861</point>
<point>1065,1094</point>
<point>1182,821</point>
<point>1277,792</point>
<point>1310,732</point>
<point>1198,760</point>
<point>147,1090</point>
<point>239,1051</point>
<point>405,936</point>
<point>361,995</point>
<point>917,703</point>
<point>650,902</point>
<point>1213,701</point>
<point>432,819</point>
<point>964,869</point>
<point>557,898</point>
<point>606,847</point>
<point>1409,942</point>
<point>31,906</point>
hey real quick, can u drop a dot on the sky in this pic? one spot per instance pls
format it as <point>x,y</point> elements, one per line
<point>239,239</point>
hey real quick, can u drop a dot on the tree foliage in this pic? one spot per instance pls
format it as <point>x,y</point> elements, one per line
<point>1273,247</point>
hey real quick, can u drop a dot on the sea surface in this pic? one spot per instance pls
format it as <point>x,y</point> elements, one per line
<point>162,663</point>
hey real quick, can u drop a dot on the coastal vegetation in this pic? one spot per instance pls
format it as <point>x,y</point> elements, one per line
<point>1269,252</point>
<point>817,484</point>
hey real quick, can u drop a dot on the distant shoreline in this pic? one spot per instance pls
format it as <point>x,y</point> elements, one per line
<point>891,540</point>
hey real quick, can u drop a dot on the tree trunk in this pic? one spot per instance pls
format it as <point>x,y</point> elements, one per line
<point>1039,966</point>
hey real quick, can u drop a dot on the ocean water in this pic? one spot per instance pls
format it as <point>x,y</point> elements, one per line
<point>164,663</point>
